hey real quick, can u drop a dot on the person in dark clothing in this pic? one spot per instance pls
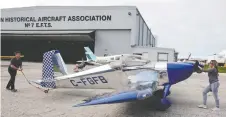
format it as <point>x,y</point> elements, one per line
<point>15,64</point>
<point>213,85</point>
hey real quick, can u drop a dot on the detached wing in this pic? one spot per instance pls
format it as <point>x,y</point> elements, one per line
<point>142,84</point>
<point>124,96</point>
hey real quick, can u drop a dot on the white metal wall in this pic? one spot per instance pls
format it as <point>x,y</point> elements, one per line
<point>153,53</point>
<point>120,18</point>
<point>112,42</point>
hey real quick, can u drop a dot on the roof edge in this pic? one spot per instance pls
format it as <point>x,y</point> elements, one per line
<point>77,7</point>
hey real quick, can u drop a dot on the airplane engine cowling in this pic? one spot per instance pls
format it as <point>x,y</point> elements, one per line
<point>178,72</point>
<point>173,72</point>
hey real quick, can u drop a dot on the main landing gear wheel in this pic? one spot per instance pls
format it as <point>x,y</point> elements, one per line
<point>162,107</point>
<point>46,91</point>
<point>161,104</point>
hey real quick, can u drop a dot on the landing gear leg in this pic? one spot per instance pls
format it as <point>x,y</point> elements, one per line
<point>163,102</point>
<point>160,93</point>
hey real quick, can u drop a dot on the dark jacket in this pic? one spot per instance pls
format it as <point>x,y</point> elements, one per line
<point>16,62</point>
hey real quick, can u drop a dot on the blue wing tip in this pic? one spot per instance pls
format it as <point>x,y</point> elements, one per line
<point>78,105</point>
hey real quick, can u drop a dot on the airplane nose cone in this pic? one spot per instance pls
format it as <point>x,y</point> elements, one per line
<point>178,71</point>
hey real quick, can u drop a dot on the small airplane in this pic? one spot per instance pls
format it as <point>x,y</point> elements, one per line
<point>220,58</point>
<point>202,60</point>
<point>132,79</point>
<point>92,59</point>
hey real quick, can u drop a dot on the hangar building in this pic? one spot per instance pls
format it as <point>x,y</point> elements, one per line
<point>105,29</point>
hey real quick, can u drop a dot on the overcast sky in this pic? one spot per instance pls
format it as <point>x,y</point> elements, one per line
<point>196,26</point>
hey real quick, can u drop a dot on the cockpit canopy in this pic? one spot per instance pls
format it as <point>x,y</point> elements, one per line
<point>129,61</point>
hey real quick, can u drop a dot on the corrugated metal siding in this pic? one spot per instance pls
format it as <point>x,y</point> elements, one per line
<point>112,42</point>
<point>145,36</point>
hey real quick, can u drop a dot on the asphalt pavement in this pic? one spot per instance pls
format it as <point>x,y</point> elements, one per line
<point>31,102</point>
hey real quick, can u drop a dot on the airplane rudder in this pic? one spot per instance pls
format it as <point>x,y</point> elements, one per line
<point>47,70</point>
<point>59,62</point>
<point>89,54</point>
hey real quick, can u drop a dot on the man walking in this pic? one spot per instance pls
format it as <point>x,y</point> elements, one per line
<point>15,64</point>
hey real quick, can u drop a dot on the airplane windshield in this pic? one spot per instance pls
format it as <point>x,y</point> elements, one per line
<point>128,61</point>
<point>144,80</point>
<point>134,61</point>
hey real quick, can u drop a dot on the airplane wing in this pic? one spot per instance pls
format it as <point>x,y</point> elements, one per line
<point>89,63</point>
<point>117,97</point>
<point>142,86</point>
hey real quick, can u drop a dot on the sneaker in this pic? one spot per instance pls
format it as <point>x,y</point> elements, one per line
<point>14,90</point>
<point>215,109</point>
<point>8,88</point>
<point>202,106</point>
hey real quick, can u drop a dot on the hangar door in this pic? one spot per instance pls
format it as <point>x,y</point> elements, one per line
<point>34,44</point>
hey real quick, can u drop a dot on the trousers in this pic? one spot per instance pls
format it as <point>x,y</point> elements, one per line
<point>11,82</point>
<point>214,88</point>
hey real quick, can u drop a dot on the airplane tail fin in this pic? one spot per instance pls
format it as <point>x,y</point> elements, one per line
<point>89,54</point>
<point>51,59</point>
<point>189,56</point>
<point>59,62</point>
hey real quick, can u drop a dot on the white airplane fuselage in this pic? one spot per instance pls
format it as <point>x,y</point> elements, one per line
<point>108,80</point>
<point>108,59</point>
<point>103,77</point>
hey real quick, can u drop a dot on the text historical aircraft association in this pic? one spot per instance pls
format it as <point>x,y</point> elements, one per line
<point>57,18</point>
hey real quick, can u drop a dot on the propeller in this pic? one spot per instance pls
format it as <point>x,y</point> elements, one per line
<point>197,67</point>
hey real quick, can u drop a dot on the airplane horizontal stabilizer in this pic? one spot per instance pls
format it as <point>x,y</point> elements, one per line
<point>120,97</point>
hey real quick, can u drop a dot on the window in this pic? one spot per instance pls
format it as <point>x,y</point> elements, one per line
<point>137,53</point>
<point>112,58</point>
<point>162,57</point>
